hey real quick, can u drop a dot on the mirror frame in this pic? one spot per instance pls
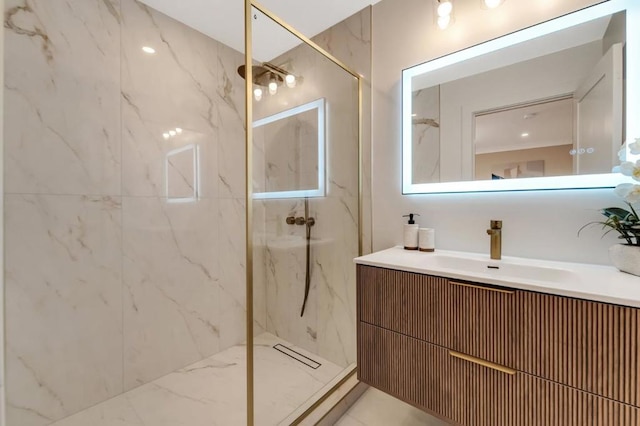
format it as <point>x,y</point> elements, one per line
<point>632,71</point>
<point>320,191</point>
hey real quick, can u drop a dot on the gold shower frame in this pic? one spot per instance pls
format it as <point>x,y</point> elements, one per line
<point>248,51</point>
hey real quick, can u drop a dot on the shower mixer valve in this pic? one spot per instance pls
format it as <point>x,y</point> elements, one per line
<point>292,220</point>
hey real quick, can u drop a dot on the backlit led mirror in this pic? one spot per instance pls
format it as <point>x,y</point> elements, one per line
<point>548,107</point>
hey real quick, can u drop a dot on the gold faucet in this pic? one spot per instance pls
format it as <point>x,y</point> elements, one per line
<point>496,239</point>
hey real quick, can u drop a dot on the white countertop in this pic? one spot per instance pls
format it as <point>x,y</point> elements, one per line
<point>578,280</point>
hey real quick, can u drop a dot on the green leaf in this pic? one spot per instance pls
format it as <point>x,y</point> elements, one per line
<point>616,212</point>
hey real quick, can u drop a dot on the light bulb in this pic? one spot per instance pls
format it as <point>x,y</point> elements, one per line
<point>149,50</point>
<point>257,94</point>
<point>525,134</point>
<point>166,135</point>
<point>445,8</point>
<point>290,79</point>
<point>178,130</point>
<point>273,88</point>
<point>443,21</point>
<point>172,132</point>
<point>492,4</point>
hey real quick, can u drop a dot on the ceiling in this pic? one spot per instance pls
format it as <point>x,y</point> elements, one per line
<point>223,20</point>
<point>532,126</point>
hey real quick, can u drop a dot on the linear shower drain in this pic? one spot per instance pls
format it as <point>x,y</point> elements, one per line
<point>297,356</point>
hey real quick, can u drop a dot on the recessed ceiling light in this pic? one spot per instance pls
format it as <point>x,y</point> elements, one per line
<point>178,130</point>
<point>172,132</point>
<point>525,134</point>
<point>149,50</point>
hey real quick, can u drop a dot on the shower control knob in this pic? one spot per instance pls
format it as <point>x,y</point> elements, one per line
<point>300,220</point>
<point>311,221</point>
<point>290,220</point>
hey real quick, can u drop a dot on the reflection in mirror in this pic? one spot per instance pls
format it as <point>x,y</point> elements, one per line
<point>534,140</point>
<point>289,153</point>
<point>542,108</point>
<point>182,174</point>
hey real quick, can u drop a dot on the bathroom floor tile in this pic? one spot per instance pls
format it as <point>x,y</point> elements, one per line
<point>376,408</point>
<point>212,392</point>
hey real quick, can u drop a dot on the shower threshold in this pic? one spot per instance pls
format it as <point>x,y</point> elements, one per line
<point>212,391</point>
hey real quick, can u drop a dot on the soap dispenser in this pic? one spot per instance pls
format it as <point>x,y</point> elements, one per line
<point>411,233</point>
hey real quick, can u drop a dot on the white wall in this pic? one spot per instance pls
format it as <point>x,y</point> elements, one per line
<point>536,224</point>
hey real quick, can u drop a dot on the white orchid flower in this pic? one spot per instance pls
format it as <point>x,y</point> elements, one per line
<point>634,147</point>
<point>631,169</point>
<point>629,191</point>
<point>622,153</point>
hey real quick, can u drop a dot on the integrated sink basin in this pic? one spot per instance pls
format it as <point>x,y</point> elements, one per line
<point>500,268</point>
<point>579,280</point>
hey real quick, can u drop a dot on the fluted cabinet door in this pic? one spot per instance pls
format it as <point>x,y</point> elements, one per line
<point>407,368</point>
<point>484,396</point>
<point>591,346</point>
<point>405,302</point>
<point>484,322</point>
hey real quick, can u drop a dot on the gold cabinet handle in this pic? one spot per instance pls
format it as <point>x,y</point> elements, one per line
<point>496,290</point>
<point>483,363</point>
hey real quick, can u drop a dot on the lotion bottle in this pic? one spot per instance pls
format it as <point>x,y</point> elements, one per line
<point>411,233</point>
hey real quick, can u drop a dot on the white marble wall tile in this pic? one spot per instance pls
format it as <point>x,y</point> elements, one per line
<point>231,150</point>
<point>336,279</point>
<point>332,296</point>
<point>170,286</point>
<point>63,305</point>
<point>173,88</point>
<point>62,79</point>
<point>350,41</point>
<point>232,281</point>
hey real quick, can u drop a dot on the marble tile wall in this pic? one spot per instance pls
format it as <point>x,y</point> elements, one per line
<point>328,325</point>
<point>109,283</point>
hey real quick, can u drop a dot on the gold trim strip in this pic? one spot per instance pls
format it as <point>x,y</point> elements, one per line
<point>360,168</point>
<point>305,39</point>
<point>325,396</point>
<point>483,363</point>
<point>248,60</point>
<point>495,290</point>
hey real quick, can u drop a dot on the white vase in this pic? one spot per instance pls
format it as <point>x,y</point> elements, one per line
<point>626,258</point>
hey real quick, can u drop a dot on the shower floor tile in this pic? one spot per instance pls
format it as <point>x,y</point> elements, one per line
<point>212,391</point>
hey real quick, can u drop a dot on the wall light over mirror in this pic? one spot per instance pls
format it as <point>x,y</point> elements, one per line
<point>289,153</point>
<point>547,107</point>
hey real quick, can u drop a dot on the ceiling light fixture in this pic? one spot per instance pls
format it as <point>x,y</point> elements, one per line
<point>290,80</point>
<point>525,134</point>
<point>273,87</point>
<point>257,94</point>
<point>444,10</point>
<point>492,4</point>
<point>270,77</point>
<point>149,50</point>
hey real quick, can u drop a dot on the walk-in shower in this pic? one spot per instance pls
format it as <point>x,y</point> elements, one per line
<point>130,295</point>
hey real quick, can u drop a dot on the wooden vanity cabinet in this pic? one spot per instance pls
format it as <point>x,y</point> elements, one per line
<point>483,321</point>
<point>488,356</point>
